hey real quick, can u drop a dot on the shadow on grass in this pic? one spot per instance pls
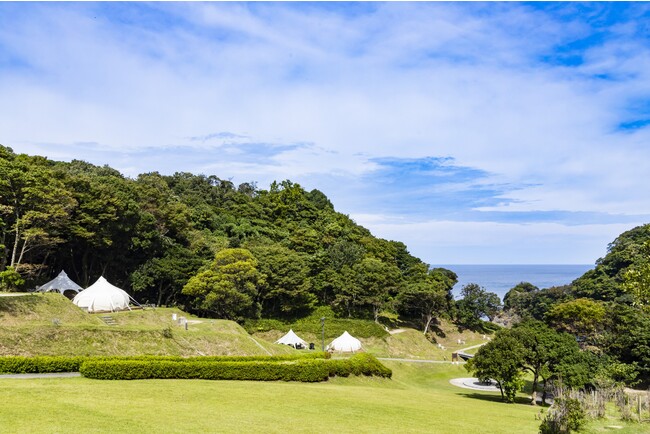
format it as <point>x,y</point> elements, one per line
<point>494,398</point>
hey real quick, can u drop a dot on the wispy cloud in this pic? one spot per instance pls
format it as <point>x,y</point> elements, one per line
<point>524,115</point>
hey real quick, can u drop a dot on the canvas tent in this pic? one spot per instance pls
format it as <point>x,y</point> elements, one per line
<point>61,283</point>
<point>345,343</point>
<point>291,339</point>
<point>101,296</point>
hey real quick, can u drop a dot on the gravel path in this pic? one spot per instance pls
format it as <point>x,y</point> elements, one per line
<point>52,375</point>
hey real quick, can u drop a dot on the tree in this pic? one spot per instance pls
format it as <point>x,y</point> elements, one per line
<point>605,281</point>
<point>544,351</point>
<point>286,290</point>
<point>636,279</point>
<point>160,280</point>
<point>376,281</point>
<point>502,360</point>
<point>476,304</point>
<point>581,317</point>
<point>519,297</point>
<point>227,289</point>
<point>427,297</point>
<point>35,207</point>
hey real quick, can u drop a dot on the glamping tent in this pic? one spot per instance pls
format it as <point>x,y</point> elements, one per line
<point>292,339</point>
<point>345,343</point>
<point>61,283</point>
<point>101,296</point>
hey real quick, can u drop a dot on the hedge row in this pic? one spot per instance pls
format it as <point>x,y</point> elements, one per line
<point>307,368</point>
<point>45,364</point>
<point>301,370</point>
<point>41,364</point>
<point>359,364</point>
<point>305,371</point>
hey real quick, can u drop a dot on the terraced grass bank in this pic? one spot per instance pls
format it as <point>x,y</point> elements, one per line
<point>49,324</point>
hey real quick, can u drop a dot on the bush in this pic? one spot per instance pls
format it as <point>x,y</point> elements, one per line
<point>40,364</point>
<point>305,371</point>
<point>45,364</point>
<point>359,364</point>
<point>565,417</point>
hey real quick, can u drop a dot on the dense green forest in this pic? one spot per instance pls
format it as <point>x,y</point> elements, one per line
<point>201,243</point>
<point>240,252</point>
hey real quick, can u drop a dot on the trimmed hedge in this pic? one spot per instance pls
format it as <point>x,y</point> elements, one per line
<point>39,364</point>
<point>46,364</point>
<point>292,367</point>
<point>359,364</point>
<point>306,371</point>
<point>195,368</point>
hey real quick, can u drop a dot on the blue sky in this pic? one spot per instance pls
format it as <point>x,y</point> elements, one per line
<point>473,132</point>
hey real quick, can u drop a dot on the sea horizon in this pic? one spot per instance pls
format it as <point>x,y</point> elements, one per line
<point>500,278</point>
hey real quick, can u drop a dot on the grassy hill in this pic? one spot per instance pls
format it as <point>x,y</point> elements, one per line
<point>49,324</point>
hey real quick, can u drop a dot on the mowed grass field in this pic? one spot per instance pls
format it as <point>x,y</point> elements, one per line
<point>418,399</point>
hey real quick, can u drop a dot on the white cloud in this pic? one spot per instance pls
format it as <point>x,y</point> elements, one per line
<point>471,242</point>
<point>396,80</point>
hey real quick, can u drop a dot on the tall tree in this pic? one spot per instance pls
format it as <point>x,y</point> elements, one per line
<point>427,297</point>
<point>476,304</point>
<point>227,289</point>
<point>35,207</point>
<point>502,360</point>
<point>287,289</point>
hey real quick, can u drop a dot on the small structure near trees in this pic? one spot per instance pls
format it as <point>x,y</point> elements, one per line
<point>293,340</point>
<point>346,343</point>
<point>62,284</point>
<point>101,296</point>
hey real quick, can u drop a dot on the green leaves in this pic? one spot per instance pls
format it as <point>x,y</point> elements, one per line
<point>228,289</point>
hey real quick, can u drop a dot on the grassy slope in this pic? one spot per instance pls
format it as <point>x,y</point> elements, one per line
<point>29,329</point>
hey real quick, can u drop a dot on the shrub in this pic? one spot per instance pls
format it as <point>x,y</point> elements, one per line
<point>359,364</point>
<point>566,416</point>
<point>40,364</point>
<point>306,371</point>
<point>45,364</point>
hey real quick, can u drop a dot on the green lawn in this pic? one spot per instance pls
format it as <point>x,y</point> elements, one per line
<point>418,399</point>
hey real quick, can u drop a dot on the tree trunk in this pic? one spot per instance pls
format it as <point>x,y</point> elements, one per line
<point>428,319</point>
<point>16,241</point>
<point>22,252</point>
<point>533,400</point>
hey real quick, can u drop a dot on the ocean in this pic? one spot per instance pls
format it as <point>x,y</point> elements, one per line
<point>501,278</point>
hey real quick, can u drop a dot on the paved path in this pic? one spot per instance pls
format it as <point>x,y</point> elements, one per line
<point>474,384</point>
<point>471,348</point>
<point>415,360</point>
<point>51,375</point>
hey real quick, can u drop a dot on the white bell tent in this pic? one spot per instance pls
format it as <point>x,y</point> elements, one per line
<point>345,343</point>
<point>61,283</point>
<point>291,339</point>
<point>101,296</point>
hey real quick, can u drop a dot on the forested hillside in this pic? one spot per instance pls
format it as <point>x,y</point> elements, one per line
<point>204,244</point>
<point>607,311</point>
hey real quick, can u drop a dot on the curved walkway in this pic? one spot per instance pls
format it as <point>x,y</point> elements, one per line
<point>474,384</point>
